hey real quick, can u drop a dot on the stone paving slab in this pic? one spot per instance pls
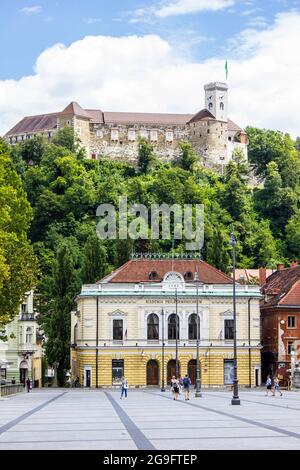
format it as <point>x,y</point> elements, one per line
<point>149,419</point>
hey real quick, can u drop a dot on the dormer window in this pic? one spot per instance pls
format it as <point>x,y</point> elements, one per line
<point>153,275</point>
<point>188,276</point>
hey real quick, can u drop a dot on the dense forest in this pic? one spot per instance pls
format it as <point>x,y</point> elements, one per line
<point>49,193</point>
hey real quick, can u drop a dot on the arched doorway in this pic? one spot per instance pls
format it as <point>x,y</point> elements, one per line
<point>23,372</point>
<point>171,369</point>
<point>152,372</point>
<point>192,370</point>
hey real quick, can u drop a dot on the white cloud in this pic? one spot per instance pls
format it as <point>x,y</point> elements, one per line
<point>92,20</point>
<point>147,74</point>
<point>34,10</point>
<point>182,7</point>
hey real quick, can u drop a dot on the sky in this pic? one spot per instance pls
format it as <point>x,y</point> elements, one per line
<point>155,56</point>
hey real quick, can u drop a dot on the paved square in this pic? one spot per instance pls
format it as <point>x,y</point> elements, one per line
<point>149,419</point>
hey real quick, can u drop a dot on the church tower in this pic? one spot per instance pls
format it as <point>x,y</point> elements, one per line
<point>216,100</point>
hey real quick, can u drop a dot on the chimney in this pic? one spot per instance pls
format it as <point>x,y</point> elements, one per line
<point>262,276</point>
<point>294,263</point>
<point>280,267</point>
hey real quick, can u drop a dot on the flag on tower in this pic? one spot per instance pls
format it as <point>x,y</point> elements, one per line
<point>226,69</point>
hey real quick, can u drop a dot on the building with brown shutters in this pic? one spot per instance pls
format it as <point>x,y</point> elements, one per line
<point>280,316</point>
<point>115,135</point>
<point>123,321</point>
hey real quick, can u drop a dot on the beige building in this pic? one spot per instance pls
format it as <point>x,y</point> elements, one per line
<point>115,135</point>
<point>21,354</point>
<point>128,321</point>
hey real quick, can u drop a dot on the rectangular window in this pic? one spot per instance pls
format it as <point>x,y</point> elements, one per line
<point>117,371</point>
<point>290,346</point>
<point>169,136</point>
<point>114,135</point>
<point>153,136</point>
<point>144,133</point>
<point>117,330</point>
<point>99,134</point>
<point>292,322</point>
<point>131,135</point>
<point>228,371</point>
<point>228,327</point>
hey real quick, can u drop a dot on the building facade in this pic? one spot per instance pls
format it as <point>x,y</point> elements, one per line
<point>280,316</point>
<point>115,135</point>
<point>21,354</point>
<point>128,322</point>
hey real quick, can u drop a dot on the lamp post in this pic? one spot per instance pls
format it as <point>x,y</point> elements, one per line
<point>198,393</point>
<point>163,352</point>
<point>176,335</point>
<point>292,368</point>
<point>235,399</point>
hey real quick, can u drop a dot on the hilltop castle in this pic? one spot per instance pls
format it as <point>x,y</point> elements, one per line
<point>115,134</point>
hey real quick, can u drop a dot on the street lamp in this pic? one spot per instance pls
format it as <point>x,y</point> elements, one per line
<point>198,393</point>
<point>292,368</point>
<point>176,335</point>
<point>163,352</point>
<point>235,399</point>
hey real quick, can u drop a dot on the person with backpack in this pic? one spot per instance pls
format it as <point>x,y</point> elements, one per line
<point>186,387</point>
<point>175,387</point>
<point>269,386</point>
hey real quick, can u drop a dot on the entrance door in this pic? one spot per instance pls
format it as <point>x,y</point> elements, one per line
<point>23,376</point>
<point>152,372</point>
<point>192,370</point>
<point>88,377</point>
<point>171,369</point>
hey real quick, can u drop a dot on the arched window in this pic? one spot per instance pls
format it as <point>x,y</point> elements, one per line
<point>210,106</point>
<point>222,106</point>
<point>173,325</point>
<point>193,327</point>
<point>153,327</point>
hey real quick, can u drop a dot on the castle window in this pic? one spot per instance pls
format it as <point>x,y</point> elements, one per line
<point>230,139</point>
<point>114,135</point>
<point>210,106</point>
<point>78,130</point>
<point>131,135</point>
<point>222,106</point>
<point>153,136</point>
<point>99,134</point>
<point>169,136</point>
<point>144,133</point>
<point>208,131</point>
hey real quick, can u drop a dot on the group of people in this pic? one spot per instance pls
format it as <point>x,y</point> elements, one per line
<point>273,386</point>
<point>181,384</point>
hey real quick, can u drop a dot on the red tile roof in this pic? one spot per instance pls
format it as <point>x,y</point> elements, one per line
<point>75,110</point>
<point>146,118</point>
<point>35,124</point>
<point>203,114</point>
<point>282,288</point>
<point>138,270</point>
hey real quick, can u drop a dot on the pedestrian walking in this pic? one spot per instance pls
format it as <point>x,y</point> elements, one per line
<point>124,387</point>
<point>175,387</point>
<point>186,387</point>
<point>269,386</point>
<point>28,384</point>
<point>277,387</point>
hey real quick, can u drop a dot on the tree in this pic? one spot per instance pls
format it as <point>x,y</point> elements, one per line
<point>18,265</point>
<point>94,263</point>
<point>62,286</point>
<point>187,157</point>
<point>145,156</point>
<point>66,138</point>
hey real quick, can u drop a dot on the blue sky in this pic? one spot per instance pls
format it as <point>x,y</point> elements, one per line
<point>29,27</point>
<point>155,56</point>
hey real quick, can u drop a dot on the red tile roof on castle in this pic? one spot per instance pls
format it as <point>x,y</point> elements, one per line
<point>48,122</point>
<point>283,288</point>
<point>138,270</point>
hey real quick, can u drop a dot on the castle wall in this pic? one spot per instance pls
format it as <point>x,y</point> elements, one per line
<point>120,142</point>
<point>210,138</point>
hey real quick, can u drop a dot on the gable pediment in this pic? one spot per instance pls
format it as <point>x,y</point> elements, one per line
<point>117,313</point>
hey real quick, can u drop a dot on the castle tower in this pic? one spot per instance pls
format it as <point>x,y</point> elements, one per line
<point>216,100</point>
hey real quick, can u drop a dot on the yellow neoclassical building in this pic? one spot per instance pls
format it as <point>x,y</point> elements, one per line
<point>127,322</point>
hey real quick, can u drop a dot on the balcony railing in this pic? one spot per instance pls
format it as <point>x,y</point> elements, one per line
<point>27,317</point>
<point>28,348</point>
